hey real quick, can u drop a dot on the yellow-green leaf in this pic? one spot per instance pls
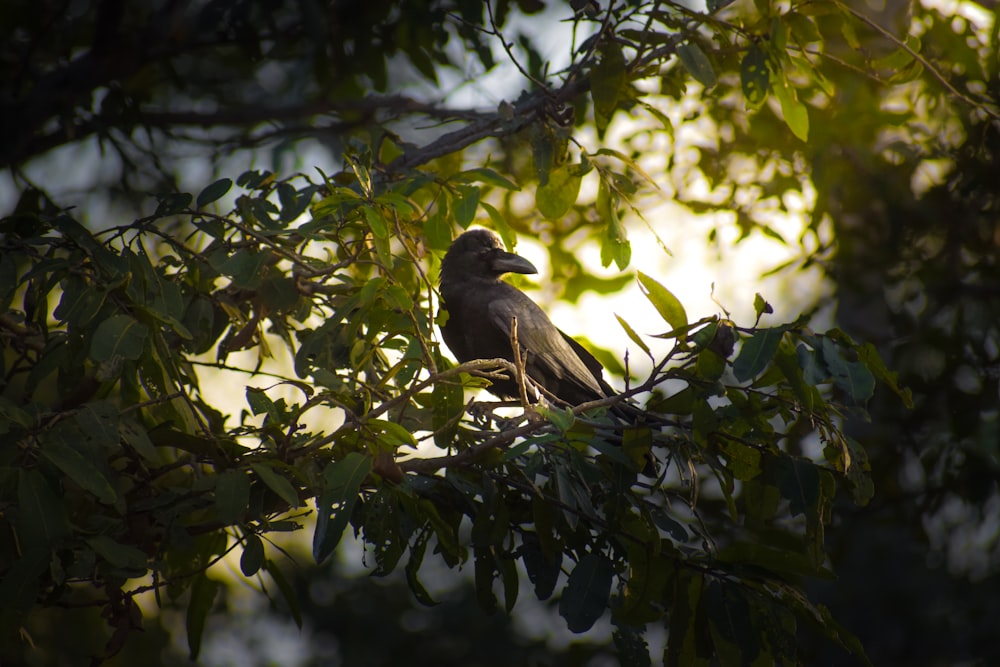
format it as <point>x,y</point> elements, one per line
<point>666,304</point>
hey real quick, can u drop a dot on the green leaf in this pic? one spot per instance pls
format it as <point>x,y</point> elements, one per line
<point>614,246</point>
<point>760,306</point>
<point>795,112</point>
<point>558,195</point>
<point>683,640</point>
<point>413,567</point>
<point>755,77</point>
<point>119,555</point>
<point>232,495</point>
<point>245,267</point>
<point>8,280</point>
<point>252,558</point>
<point>630,641</point>
<point>851,376</point>
<point>543,570</point>
<point>376,222</point>
<point>203,593</point>
<point>119,336</point>
<point>736,640</point>
<point>448,403</point>
<point>585,598</point>
<point>277,483</point>
<point>774,559</point>
<point>438,231</point>
<point>634,336</point>
<point>485,175</point>
<point>666,304</point>
<point>506,232</point>
<point>871,358</point>
<point>743,461</point>
<point>391,435</point>
<point>341,485</point>
<point>757,353</point>
<point>287,592</point>
<point>798,481</point>
<point>79,468</point>
<point>607,79</point>
<point>214,192</point>
<point>42,518</point>
<point>19,587</point>
<point>697,63</point>
<point>464,204</point>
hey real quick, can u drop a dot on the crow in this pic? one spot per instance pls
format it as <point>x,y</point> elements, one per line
<point>481,308</point>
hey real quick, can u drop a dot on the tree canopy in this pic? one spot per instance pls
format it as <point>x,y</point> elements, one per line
<point>310,297</point>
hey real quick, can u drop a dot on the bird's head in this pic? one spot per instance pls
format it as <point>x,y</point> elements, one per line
<point>480,253</point>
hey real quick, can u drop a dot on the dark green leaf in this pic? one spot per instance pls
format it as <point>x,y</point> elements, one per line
<point>119,555</point>
<point>136,437</point>
<point>607,80</point>
<point>798,481</point>
<point>203,592</point>
<point>736,640</point>
<point>8,280</point>
<point>277,483</point>
<point>448,403</point>
<point>543,570</point>
<point>341,484</point>
<point>697,63</point>
<point>287,592</point>
<point>79,468</point>
<point>253,555</point>
<point>119,336</point>
<point>43,519</point>
<point>585,598</point>
<point>631,644</point>
<point>755,77</point>
<point>757,353</point>
<point>20,583</point>
<point>214,192</point>
<point>232,495</point>
<point>413,568</point>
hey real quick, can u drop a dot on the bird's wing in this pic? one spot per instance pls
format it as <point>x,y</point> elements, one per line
<point>546,345</point>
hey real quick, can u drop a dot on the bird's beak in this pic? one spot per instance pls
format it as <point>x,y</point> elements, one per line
<point>508,262</point>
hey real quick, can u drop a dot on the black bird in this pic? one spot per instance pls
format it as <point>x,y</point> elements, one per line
<point>480,309</point>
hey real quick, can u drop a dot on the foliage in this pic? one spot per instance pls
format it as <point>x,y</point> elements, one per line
<point>117,466</point>
<point>314,295</point>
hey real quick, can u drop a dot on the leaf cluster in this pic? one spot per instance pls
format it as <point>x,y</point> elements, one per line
<point>121,472</point>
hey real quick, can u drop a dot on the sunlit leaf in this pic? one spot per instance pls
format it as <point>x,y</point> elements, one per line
<point>666,304</point>
<point>795,112</point>
<point>556,197</point>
